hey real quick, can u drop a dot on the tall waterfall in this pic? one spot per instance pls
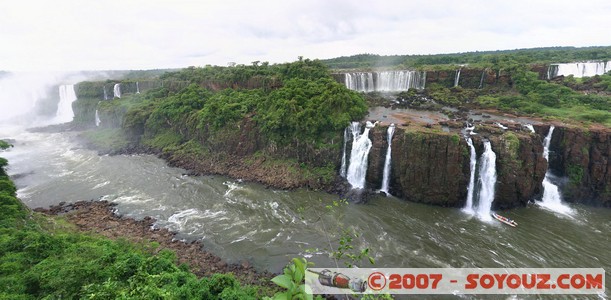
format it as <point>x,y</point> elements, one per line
<point>456,78</point>
<point>64,107</point>
<point>357,168</point>
<point>551,194</point>
<point>97,119</point>
<point>105,94</point>
<point>481,79</point>
<point>137,88</point>
<point>386,81</point>
<point>386,177</point>
<point>117,90</point>
<point>472,168</point>
<point>579,69</point>
<point>342,169</point>
<point>487,181</point>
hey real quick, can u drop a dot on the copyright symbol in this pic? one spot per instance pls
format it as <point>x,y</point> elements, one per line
<point>376,281</point>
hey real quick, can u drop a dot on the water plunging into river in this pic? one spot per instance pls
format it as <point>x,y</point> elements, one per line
<point>239,220</point>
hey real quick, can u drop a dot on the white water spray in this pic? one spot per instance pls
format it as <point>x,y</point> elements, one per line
<point>552,199</point>
<point>105,93</point>
<point>117,90</point>
<point>385,81</point>
<point>481,79</point>
<point>457,78</point>
<point>137,88</point>
<point>361,145</point>
<point>386,176</point>
<point>487,182</point>
<point>342,169</point>
<point>579,69</point>
<point>97,119</point>
<point>64,108</point>
<point>530,127</point>
<point>472,167</point>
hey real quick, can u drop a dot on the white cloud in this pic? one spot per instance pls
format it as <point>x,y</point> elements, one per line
<point>112,34</point>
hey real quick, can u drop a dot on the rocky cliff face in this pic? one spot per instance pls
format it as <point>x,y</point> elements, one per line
<point>433,167</point>
<point>583,156</point>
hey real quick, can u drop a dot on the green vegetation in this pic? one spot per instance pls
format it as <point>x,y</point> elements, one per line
<point>292,112</point>
<point>501,58</point>
<point>43,257</point>
<point>4,145</point>
<point>539,97</point>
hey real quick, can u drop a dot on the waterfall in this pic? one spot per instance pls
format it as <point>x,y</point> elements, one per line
<point>361,145</point>
<point>472,168</point>
<point>530,127</point>
<point>105,94</point>
<point>551,194</point>
<point>457,78</point>
<point>117,90</point>
<point>481,79</point>
<point>487,181</point>
<point>342,169</point>
<point>579,69</point>
<point>137,88</point>
<point>97,118</point>
<point>386,177</point>
<point>64,107</point>
<point>385,81</point>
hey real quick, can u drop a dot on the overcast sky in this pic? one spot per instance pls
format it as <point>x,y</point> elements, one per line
<point>147,34</point>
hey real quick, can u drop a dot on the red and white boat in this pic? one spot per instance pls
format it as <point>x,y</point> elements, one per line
<point>505,220</point>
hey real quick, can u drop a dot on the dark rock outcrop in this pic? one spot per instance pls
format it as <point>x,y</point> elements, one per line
<point>583,156</point>
<point>433,167</point>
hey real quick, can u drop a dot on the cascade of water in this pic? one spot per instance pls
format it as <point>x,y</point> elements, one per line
<point>487,181</point>
<point>105,93</point>
<point>472,167</point>
<point>117,90</point>
<point>342,169</point>
<point>137,88</point>
<point>481,79</point>
<point>357,168</point>
<point>457,78</point>
<point>64,107</point>
<point>530,127</point>
<point>552,199</point>
<point>579,69</point>
<point>386,176</point>
<point>385,81</point>
<point>97,119</point>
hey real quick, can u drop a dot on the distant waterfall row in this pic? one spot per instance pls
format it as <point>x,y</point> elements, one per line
<point>579,69</point>
<point>64,108</point>
<point>386,81</point>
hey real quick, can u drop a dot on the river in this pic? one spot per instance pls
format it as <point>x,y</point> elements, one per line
<point>239,220</point>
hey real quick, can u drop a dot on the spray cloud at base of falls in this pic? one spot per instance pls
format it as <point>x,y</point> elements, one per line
<point>361,144</point>
<point>387,160</point>
<point>552,199</point>
<point>385,81</point>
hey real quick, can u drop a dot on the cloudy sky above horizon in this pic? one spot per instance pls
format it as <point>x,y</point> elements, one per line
<point>149,34</point>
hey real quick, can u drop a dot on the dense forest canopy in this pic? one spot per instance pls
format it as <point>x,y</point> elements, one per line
<point>478,58</point>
